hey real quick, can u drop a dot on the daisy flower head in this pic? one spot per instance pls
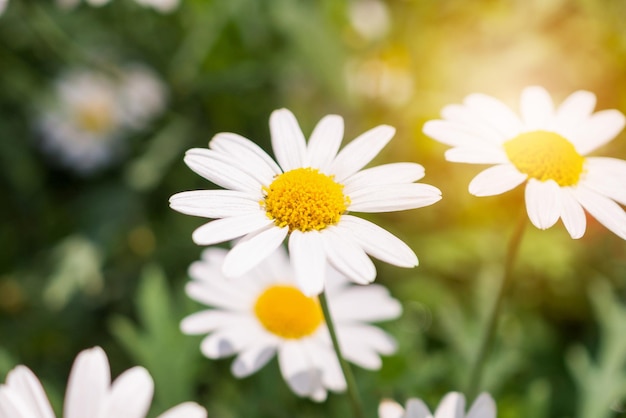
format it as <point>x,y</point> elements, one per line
<point>546,148</point>
<point>90,393</point>
<point>263,313</point>
<point>451,406</point>
<point>305,198</point>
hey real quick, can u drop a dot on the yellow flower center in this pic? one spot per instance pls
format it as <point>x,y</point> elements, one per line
<point>304,199</point>
<point>95,116</point>
<point>545,156</point>
<point>285,311</point>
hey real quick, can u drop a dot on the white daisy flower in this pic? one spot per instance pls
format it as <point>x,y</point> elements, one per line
<point>546,149</point>
<point>90,393</point>
<point>451,406</point>
<point>3,6</point>
<point>263,313</point>
<point>305,199</point>
<point>90,113</point>
<point>163,6</point>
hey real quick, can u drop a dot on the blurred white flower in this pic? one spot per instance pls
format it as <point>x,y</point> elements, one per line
<point>90,112</point>
<point>546,149</point>
<point>68,4</point>
<point>3,5</point>
<point>90,393</point>
<point>163,6</point>
<point>305,200</point>
<point>263,313</point>
<point>386,81</point>
<point>451,406</point>
<point>369,18</point>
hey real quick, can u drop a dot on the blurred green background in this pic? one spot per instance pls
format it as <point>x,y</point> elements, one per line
<point>98,258</point>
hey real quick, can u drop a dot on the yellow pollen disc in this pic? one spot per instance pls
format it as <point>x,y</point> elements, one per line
<point>95,117</point>
<point>285,311</point>
<point>304,199</point>
<point>545,156</point>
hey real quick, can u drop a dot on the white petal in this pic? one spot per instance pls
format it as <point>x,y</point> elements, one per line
<point>393,197</point>
<point>252,359</point>
<point>473,123</point>
<point>453,134</point>
<point>88,384</point>
<point>228,341</point>
<point>225,170</point>
<point>496,180</point>
<point>542,202</point>
<point>606,211</point>
<point>361,151</point>
<point>13,406</point>
<point>597,130</point>
<point>572,214</point>
<point>207,321</point>
<point>390,409</point>
<point>495,113</point>
<point>226,229</point>
<point>362,344</point>
<point>325,360</point>
<point>308,260</point>
<point>574,110</point>
<point>475,155</point>
<point>347,257</point>
<point>296,369</point>
<point>384,174</point>
<point>287,140</point>
<point>451,406</point>
<point>378,242</point>
<point>214,203</point>
<point>185,410</point>
<point>415,408</point>
<point>536,108</point>
<point>370,303</point>
<point>606,176</point>
<point>251,250</point>
<point>25,384</point>
<point>130,396</point>
<point>243,148</point>
<point>483,407</point>
<point>325,142</point>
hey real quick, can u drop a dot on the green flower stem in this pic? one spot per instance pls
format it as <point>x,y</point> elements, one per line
<point>355,399</point>
<point>474,384</point>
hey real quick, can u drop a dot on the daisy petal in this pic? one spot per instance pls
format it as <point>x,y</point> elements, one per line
<point>384,174</point>
<point>214,203</point>
<point>572,214</point>
<point>228,341</point>
<point>325,142</point>
<point>415,408</point>
<point>496,180</point>
<point>28,388</point>
<point>379,243</point>
<point>536,108</point>
<point>576,108</point>
<point>474,155</point>
<point>599,129</point>
<point>606,211</point>
<point>347,257</point>
<point>240,147</point>
<point>185,410</point>
<point>130,395</point>
<point>308,260</point>
<point>394,197</point>
<point>361,151</point>
<point>453,134</point>
<point>251,251</point>
<point>495,113</point>
<point>542,202</point>
<point>226,229</point>
<point>361,344</point>
<point>88,384</point>
<point>483,407</point>
<point>452,405</point>
<point>463,117</point>
<point>390,409</point>
<point>207,321</point>
<point>370,303</point>
<point>287,140</point>
<point>224,170</point>
<point>252,359</point>
<point>12,406</point>
<point>295,368</point>
<point>606,176</point>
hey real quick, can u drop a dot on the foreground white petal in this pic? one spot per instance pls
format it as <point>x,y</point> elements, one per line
<point>483,407</point>
<point>542,203</point>
<point>308,259</point>
<point>325,142</point>
<point>347,257</point>
<point>606,211</point>
<point>226,229</point>
<point>287,140</point>
<point>597,130</point>
<point>496,180</point>
<point>185,410</point>
<point>572,214</point>
<point>26,386</point>
<point>395,173</point>
<point>252,250</point>
<point>214,203</point>
<point>88,384</point>
<point>394,197</point>
<point>475,155</point>
<point>130,396</point>
<point>536,108</point>
<point>451,406</point>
